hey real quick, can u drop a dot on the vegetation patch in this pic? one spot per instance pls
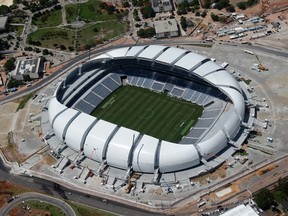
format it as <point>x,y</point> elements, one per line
<point>47,18</point>
<point>51,37</point>
<point>24,100</point>
<point>89,11</point>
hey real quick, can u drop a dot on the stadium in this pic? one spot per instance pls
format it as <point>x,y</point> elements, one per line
<point>151,109</point>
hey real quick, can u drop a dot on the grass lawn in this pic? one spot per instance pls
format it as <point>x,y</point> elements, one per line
<point>50,36</point>
<point>154,114</point>
<point>88,11</point>
<point>53,18</point>
<point>43,206</point>
<point>110,29</point>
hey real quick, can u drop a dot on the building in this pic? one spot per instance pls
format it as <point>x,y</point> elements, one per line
<point>241,210</point>
<point>166,28</point>
<point>161,5</point>
<point>184,74</point>
<point>29,69</point>
<point>3,22</point>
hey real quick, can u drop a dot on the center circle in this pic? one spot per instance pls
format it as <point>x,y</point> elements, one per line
<point>146,114</point>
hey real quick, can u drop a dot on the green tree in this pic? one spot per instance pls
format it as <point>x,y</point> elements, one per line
<point>214,17</point>
<point>283,185</point>
<point>9,65</point>
<point>183,22</point>
<point>146,33</point>
<point>203,14</point>
<point>45,52</point>
<point>4,10</point>
<point>230,8</point>
<point>147,12</point>
<point>264,199</point>
<point>241,5</point>
<point>12,83</point>
<point>126,4</point>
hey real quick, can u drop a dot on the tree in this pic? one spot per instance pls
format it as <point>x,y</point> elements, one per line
<point>147,12</point>
<point>9,65</point>
<point>4,10</point>
<point>197,13</point>
<point>230,8</point>
<point>62,47</point>
<point>214,17</point>
<point>183,22</point>
<point>12,83</point>
<point>203,14</point>
<point>241,5</point>
<point>146,33</point>
<point>222,4</point>
<point>126,4</point>
<point>264,199</point>
<point>45,52</point>
<point>283,185</point>
<point>207,4</point>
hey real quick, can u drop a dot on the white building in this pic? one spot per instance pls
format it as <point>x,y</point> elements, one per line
<point>29,69</point>
<point>241,210</point>
<point>166,28</point>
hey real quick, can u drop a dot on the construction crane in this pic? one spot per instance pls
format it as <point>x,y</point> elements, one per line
<point>261,66</point>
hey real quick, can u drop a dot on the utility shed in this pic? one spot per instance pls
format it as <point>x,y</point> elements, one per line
<point>3,22</point>
<point>166,28</point>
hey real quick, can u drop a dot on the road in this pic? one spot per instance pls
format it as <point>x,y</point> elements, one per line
<point>39,197</point>
<point>47,187</point>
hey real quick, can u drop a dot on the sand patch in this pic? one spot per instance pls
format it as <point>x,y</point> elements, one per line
<point>6,2</point>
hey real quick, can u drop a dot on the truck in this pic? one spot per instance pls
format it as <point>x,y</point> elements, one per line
<point>10,199</point>
<point>201,204</point>
<point>224,64</point>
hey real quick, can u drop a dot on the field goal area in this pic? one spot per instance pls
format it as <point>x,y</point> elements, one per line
<point>155,114</point>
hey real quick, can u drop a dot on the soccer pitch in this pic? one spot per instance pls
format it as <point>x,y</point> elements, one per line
<point>154,114</point>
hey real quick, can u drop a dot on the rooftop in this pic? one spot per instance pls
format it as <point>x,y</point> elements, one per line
<point>165,25</point>
<point>27,66</point>
<point>3,21</point>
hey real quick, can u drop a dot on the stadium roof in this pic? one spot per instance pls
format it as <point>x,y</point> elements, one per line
<point>121,146</point>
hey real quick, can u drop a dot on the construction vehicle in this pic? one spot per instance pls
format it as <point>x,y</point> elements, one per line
<point>129,185</point>
<point>260,65</point>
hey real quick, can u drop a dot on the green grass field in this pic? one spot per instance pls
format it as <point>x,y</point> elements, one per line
<point>154,114</point>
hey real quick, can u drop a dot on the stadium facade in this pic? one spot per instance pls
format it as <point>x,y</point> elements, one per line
<point>183,74</point>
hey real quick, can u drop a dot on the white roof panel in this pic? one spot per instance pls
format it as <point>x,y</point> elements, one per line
<point>121,52</point>
<point>237,99</point>
<point>177,157</point>
<point>60,123</point>
<point>54,108</point>
<point>190,60</point>
<point>206,68</point>
<point>96,139</point>
<point>77,128</point>
<point>119,147</point>
<point>134,50</point>
<point>151,51</point>
<point>212,146</point>
<point>223,78</point>
<point>144,154</point>
<point>102,56</point>
<point>170,55</point>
